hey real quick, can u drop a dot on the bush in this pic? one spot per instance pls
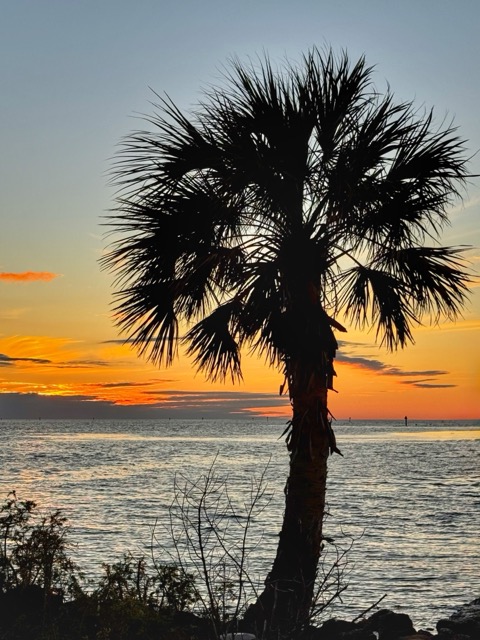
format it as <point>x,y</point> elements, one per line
<point>170,588</point>
<point>34,549</point>
<point>41,596</point>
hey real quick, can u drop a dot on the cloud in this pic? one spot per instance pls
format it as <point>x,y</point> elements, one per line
<point>425,384</point>
<point>421,385</point>
<point>28,276</point>
<point>360,361</point>
<point>6,361</point>
<point>342,344</point>
<point>427,376</point>
<point>85,363</point>
<point>385,369</point>
<point>25,406</point>
<point>82,364</point>
<point>125,341</point>
<point>183,404</point>
<point>234,403</point>
<point>120,384</point>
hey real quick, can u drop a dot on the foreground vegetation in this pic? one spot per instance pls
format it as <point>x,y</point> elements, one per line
<point>43,595</point>
<point>195,584</point>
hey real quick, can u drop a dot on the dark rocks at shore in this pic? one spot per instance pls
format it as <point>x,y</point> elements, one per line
<point>382,625</point>
<point>385,624</point>
<point>464,623</point>
<point>390,625</point>
<point>342,629</point>
<point>22,617</point>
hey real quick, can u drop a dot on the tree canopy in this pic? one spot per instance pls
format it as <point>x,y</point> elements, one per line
<point>303,180</point>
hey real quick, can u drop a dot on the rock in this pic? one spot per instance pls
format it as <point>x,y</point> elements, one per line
<point>334,629</point>
<point>466,621</point>
<point>390,625</point>
<point>358,634</point>
<point>341,630</point>
<point>334,626</point>
<point>448,634</point>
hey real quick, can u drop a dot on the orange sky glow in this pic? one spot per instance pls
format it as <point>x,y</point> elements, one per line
<point>28,276</point>
<point>72,90</point>
<point>437,378</point>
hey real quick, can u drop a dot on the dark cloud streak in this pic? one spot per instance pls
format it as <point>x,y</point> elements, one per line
<point>8,361</point>
<point>385,369</point>
<point>81,364</point>
<point>426,385</point>
<point>181,404</point>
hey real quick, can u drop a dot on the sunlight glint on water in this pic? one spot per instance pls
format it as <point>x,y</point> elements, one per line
<point>408,497</point>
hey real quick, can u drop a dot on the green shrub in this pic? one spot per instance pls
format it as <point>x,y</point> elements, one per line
<point>168,588</point>
<point>34,549</point>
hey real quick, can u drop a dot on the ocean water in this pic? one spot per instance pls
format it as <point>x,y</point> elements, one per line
<point>407,500</point>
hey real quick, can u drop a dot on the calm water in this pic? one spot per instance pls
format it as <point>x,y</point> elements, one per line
<point>409,498</point>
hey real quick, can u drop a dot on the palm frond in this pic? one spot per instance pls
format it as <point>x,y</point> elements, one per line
<point>372,296</point>
<point>145,313</point>
<point>213,346</point>
<point>434,278</point>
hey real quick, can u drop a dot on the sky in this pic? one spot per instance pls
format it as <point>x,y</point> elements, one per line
<point>76,74</point>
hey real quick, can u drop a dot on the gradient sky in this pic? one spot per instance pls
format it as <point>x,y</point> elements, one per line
<point>74,76</point>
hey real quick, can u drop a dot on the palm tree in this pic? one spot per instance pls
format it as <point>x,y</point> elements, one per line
<point>285,198</point>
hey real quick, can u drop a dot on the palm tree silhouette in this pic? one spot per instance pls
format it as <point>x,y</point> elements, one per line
<point>286,198</point>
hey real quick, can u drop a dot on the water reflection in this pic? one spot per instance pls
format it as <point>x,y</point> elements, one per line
<point>409,499</point>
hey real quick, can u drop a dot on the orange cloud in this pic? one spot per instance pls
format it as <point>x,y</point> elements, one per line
<point>28,276</point>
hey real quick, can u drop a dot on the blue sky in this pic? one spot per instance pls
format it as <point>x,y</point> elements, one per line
<point>75,74</point>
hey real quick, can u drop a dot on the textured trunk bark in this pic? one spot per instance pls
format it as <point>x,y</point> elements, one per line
<point>284,606</point>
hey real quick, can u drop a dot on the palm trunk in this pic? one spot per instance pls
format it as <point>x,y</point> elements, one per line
<point>285,604</point>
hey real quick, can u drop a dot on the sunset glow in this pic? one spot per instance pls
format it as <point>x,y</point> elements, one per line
<point>71,89</point>
<point>28,276</point>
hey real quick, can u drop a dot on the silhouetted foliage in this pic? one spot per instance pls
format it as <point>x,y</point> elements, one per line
<point>42,594</point>
<point>34,549</point>
<point>134,598</point>
<point>166,587</point>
